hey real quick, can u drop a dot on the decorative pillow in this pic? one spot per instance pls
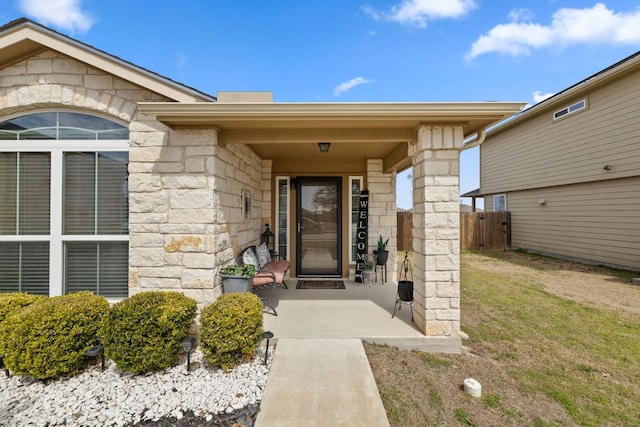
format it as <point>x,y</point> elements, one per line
<point>264,256</point>
<point>249,257</point>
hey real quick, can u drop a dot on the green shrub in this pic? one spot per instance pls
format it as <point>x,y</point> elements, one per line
<point>231,329</point>
<point>143,333</point>
<point>12,302</point>
<point>50,338</point>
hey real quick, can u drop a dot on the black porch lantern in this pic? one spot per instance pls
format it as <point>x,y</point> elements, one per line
<point>267,235</point>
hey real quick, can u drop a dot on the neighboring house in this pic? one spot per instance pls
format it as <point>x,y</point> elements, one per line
<point>568,170</point>
<point>117,180</point>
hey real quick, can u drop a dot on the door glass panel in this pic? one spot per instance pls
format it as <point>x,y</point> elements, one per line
<point>319,226</point>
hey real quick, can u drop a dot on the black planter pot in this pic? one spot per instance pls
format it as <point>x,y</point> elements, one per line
<point>382,257</point>
<point>405,290</point>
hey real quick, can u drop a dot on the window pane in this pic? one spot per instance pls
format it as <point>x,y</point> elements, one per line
<point>24,193</point>
<point>283,213</point>
<point>24,267</point>
<point>113,274</point>
<point>79,193</point>
<point>113,201</point>
<point>356,186</point>
<point>99,267</point>
<point>35,176</point>
<point>64,125</point>
<point>72,133</point>
<point>8,192</point>
<point>96,193</point>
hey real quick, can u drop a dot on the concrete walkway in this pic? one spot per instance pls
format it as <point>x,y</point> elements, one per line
<point>320,382</point>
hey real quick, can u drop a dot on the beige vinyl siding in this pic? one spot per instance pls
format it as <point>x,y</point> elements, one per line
<point>597,222</point>
<point>542,152</point>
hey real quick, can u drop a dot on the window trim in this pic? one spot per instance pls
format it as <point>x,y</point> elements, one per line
<point>56,239</point>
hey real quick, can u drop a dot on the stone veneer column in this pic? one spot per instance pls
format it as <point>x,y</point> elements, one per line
<point>383,217</point>
<point>175,242</point>
<point>436,230</point>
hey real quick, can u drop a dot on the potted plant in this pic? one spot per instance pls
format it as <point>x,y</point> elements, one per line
<point>367,266</point>
<point>382,254</point>
<point>237,278</point>
<point>368,272</point>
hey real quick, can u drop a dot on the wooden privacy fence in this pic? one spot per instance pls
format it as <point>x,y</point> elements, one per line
<point>479,231</point>
<point>485,231</point>
<point>405,232</point>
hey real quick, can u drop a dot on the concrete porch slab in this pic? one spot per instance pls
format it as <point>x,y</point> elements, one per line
<point>358,311</point>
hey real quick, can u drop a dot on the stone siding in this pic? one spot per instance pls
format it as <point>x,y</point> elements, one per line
<point>185,208</point>
<point>436,235</point>
<point>383,218</point>
<point>52,80</point>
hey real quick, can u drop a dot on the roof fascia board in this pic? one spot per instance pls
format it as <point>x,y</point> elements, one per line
<point>426,111</point>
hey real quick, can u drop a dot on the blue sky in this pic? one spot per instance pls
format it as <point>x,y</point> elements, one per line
<point>358,50</point>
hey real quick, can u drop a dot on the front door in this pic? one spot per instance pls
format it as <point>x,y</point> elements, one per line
<point>318,217</point>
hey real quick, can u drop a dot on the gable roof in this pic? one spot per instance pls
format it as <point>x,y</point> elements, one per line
<point>603,77</point>
<point>22,38</point>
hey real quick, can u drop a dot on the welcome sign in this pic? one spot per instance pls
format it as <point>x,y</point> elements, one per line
<point>361,233</point>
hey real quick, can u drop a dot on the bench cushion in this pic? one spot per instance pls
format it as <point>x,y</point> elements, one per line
<point>278,268</point>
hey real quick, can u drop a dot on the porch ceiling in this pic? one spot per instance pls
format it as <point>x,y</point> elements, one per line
<point>355,130</point>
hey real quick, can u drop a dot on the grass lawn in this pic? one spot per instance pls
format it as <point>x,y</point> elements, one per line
<point>543,358</point>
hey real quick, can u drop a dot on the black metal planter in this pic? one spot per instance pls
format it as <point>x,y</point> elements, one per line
<point>405,287</point>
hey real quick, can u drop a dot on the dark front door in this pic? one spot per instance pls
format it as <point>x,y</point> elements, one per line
<point>318,215</point>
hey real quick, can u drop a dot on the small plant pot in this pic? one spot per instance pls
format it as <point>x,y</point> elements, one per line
<point>382,257</point>
<point>231,284</point>
<point>405,290</point>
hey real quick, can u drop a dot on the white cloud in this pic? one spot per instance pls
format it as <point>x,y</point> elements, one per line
<point>596,25</point>
<point>417,13</point>
<point>518,15</point>
<point>343,87</point>
<point>539,96</point>
<point>64,14</point>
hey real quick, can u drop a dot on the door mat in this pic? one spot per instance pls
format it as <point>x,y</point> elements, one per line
<point>320,284</point>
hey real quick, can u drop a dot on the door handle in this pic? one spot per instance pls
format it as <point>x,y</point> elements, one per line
<point>300,227</point>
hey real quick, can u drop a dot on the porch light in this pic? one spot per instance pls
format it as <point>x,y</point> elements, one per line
<point>267,235</point>
<point>97,350</point>
<point>267,335</point>
<point>324,146</point>
<point>187,345</point>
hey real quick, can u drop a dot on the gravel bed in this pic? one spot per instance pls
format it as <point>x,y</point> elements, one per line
<point>205,396</point>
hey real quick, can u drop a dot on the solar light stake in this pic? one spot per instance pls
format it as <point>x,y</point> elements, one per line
<point>2,365</point>
<point>267,335</point>
<point>187,345</point>
<point>97,350</point>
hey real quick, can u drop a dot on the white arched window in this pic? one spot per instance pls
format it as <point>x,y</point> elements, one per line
<point>64,204</point>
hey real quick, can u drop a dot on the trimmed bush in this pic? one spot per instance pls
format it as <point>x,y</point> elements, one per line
<point>12,302</point>
<point>231,329</point>
<point>143,333</point>
<point>50,338</point>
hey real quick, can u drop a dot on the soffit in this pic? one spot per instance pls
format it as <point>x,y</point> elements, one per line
<point>22,39</point>
<point>356,130</point>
